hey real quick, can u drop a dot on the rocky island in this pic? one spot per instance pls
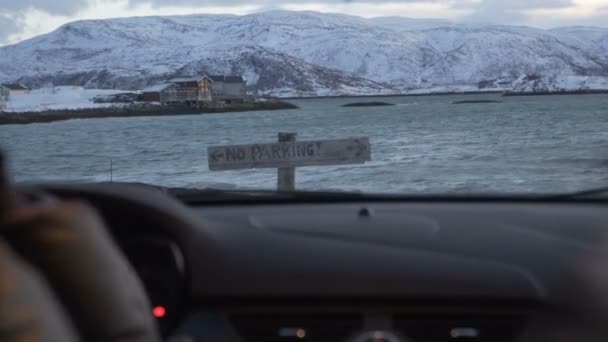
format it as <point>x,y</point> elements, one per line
<point>368,104</point>
<point>133,110</point>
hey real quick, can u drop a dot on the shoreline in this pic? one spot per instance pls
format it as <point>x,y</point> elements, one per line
<point>25,118</point>
<point>395,95</point>
<point>559,92</point>
<point>505,93</point>
<point>143,110</point>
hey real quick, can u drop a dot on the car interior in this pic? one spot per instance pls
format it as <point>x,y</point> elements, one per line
<point>256,266</point>
<point>140,262</point>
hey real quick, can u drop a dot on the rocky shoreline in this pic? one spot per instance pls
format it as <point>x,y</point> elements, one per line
<point>23,118</point>
<point>368,104</point>
<point>475,101</point>
<point>481,92</point>
<point>557,92</point>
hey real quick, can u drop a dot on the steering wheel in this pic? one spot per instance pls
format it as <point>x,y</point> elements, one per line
<point>62,278</point>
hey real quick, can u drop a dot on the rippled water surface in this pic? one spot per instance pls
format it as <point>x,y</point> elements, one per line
<point>423,144</point>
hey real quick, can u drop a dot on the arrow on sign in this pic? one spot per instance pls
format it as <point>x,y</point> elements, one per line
<point>359,149</point>
<point>217,156</point>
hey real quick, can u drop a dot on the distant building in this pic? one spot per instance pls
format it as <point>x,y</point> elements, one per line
<point>4,95</point>
<point>159,92</point>
<point>193,88</point>
<point>197,90</point>
<point>229,88</point>
<point>17,89</point>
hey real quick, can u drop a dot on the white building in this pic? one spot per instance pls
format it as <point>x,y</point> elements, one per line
<point>17,89</point>
<point>4,95</point>
<point>229,88</point>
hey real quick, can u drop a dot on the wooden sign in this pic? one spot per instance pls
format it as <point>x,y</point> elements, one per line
<point>289,154</point>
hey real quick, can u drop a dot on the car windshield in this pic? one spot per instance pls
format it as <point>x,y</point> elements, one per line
<point>429,96</point>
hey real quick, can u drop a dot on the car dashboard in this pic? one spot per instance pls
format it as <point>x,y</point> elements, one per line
<point>354,271</point>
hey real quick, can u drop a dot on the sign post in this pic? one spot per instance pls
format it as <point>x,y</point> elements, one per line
<point>288,154</point>
<point>286,179</point>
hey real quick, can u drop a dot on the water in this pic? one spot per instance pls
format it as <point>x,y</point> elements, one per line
<point>424,144</point>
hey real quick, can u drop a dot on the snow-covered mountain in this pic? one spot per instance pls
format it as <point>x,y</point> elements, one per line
<point>308,53</point>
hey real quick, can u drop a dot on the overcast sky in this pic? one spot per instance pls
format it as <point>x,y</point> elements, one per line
<point>22,19</point>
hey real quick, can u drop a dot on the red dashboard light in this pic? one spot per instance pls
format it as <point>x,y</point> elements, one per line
<point>159,311</point>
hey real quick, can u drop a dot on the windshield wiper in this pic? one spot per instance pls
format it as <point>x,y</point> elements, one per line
<point>597,193</point>
<point>210,195</point>
<point>215,195</point>
<point>194,196</point>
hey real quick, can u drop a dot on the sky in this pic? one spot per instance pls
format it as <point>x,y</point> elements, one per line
<point>23,19</point>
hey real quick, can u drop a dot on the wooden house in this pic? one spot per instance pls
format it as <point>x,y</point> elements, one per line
<point>193,88</point>
<point>159,92</point>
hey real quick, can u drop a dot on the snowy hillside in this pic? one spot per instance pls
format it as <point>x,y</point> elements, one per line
<point>278,74</point>
<point>307,53</point>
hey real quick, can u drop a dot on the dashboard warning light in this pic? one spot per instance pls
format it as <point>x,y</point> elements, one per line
<point>159,311</point>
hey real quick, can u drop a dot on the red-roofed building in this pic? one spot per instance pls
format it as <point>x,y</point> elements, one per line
<point>158,92</point>
<point>201,85</point>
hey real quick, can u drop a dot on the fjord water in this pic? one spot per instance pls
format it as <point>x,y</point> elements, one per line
<point>422,144</point>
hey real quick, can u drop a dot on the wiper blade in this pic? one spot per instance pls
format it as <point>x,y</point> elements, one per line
<point>210,195</point>
<point>591,194</point>
<point>214,195</point>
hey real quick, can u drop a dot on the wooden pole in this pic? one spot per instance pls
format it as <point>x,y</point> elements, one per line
<point>286,180</point>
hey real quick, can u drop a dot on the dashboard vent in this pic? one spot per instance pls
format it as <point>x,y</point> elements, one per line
<point>473,328</point>
<point>321,327</point>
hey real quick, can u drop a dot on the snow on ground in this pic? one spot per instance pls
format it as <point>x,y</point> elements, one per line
<point>560,83</point>
<point>66,97</point>
<point>451,89</point>
<point>582,82</point>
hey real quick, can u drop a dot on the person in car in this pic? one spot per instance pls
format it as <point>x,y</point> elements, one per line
<point>62,278</point>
